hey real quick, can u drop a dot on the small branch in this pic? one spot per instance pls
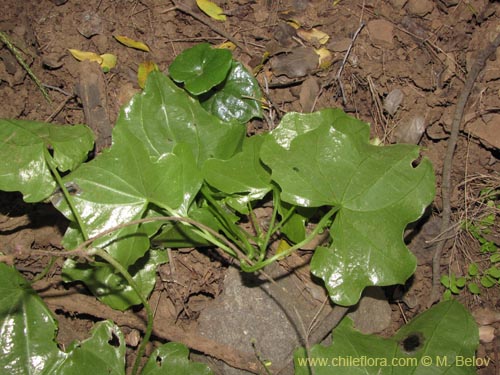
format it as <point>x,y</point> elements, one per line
<point>17,54</point>
<point>447,164</point>
<point>81,304</point>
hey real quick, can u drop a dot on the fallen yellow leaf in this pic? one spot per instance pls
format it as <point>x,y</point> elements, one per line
<point>226,45</point>
<point>313,36</point>
<point>325,57</point>
<point>294,23</point>
<point>108,62</point>
<point>211,9</point>
<point>125,40</point>
<point>282,247</point>
<point>82,55</point>
<point>143,71</point>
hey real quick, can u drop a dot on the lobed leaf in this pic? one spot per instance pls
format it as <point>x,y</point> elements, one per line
<point>25,143</point>
<point>325,159</point>
<point>429,344</point>
<point>164,115</point>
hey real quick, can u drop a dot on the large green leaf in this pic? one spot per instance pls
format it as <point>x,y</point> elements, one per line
<point>325,159</point>
<point>441,340</point>
<point>23,148</point>
<point>201,67</point>
<point>172,358</point>
<point>28,330</point>
<point>238,98</point>
<point>164,115</point>
<point>119,185</point>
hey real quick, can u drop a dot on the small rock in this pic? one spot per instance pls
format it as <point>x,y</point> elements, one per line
<point>410,131</point>
<point>381,33</point>
<point>486,334</point>
<point>398,4</point>
<point>339,45</point>
<point>392,101</point>
<point>373,312</point>
<point>486,129</point>
<point>419,7</point>
<point>90,24</point>
<point>485,316</point>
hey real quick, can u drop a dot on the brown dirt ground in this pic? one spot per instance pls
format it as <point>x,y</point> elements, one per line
<point>423,48</point>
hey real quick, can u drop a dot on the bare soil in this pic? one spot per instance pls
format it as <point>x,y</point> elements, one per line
<point>424,49</point>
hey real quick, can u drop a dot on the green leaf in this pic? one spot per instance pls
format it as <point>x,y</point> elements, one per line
<point>172,358</point>
<point>493,272</point>
<point>473,288</point>
<point>163,116</point>
<point>429,344</point>
<point>445,280</point>
<point>495,258</point>
<point>28,330</point>
<point>25,143</point>
<point>238,98</point>
<point>118,187</point>
<point>325,159</point>
<point>473,269</point>
<point>242,174</point>
<point>109,286</point>
<point>102,353</point>
<point>487,281</point>
<point>201,67</point>
<point>460,282</point>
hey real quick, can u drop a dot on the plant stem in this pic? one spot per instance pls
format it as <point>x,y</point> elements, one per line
<point>50,162</point>
<point>17,54</point>
<point>324,220</point>
<point>149,327</point>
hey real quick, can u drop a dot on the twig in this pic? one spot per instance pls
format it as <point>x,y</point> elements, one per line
<point>447,164</point>
<point>82,304</point>
<point>341,68</point>
<point>17,54</point>
<point>184,9</point>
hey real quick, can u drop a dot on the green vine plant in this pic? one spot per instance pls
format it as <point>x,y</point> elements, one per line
<point>181,172</point>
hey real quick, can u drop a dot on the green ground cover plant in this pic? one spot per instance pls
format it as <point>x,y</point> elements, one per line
<point>181,172</point>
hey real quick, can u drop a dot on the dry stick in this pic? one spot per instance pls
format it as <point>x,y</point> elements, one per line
<point>81,304</point>
<point>447,164</point>
<point>182,8</point>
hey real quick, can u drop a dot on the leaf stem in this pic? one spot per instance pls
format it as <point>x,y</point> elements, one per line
<point>50,162</point>
<point>149,327</point>
<point>323,222</point>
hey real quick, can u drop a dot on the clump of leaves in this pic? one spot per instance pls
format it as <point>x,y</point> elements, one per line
<point>181,172</point>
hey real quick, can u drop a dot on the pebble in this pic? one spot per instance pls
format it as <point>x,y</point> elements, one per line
<point>381,33</point>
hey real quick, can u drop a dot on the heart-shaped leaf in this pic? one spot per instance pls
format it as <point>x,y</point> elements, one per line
<point>442,340</point>
<point>201,67</point>
<point>164,115</point>
<point>238,98</point>
<point>25,143</point>
<point>376,189</point>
